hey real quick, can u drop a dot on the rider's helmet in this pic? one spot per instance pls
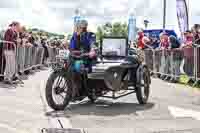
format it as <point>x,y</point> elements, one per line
<point>83,23</point>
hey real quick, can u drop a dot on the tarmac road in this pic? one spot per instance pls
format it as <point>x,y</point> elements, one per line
<point>172,108</point>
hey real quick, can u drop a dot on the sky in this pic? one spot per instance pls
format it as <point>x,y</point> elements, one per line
<point>57,15</point>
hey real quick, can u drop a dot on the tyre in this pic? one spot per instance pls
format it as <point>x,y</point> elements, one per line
<point>143,89</point>
<point>62,86</point>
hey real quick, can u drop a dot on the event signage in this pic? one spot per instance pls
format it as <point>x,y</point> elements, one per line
<point>182,14</point>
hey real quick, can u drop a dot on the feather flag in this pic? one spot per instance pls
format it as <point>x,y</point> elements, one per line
<point>182,15</point>
<point>132,28</point>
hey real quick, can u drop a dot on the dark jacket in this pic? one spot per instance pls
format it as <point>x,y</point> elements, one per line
<point>174,43</point>
<point>11,37</point>
<point>85,40</point>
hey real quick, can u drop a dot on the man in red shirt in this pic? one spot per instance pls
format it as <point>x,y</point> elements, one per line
<point>140,40</point>
<point>11,39</point>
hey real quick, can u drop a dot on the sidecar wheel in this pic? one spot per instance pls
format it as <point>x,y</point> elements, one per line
<point>143,89</point>
<point>50,90</point>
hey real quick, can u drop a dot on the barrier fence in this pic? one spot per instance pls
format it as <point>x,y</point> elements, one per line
<point>171,64</point>
<point>24,57</point>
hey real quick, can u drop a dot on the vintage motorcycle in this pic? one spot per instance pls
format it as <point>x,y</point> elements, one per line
<point>110,78</point>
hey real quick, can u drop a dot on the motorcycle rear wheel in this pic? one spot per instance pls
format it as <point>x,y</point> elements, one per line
<point>50,89</point>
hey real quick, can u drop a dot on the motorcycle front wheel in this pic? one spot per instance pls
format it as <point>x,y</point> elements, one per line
<point>58,91</point>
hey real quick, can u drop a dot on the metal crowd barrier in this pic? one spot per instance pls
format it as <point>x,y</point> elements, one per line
<point>29,57</point>
<point>52,55</point>
<point>171,64</point>
<point>25,57</point>
<point>197,62</point>
<point>7,59</point>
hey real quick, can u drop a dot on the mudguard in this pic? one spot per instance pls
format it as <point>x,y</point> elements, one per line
<point>113,77</point>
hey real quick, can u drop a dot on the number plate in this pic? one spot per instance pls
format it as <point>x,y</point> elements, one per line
<point>63,54</point>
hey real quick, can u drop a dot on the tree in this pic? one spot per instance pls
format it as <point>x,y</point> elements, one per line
<point>99,33</point>
<point>116,29</point>
<point>45,33</point>
<point>69,36</point>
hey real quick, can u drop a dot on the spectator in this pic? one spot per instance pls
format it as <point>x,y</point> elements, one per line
<point>147,42</point>
<point>164,41</point>
<point>177,57</point>
<point>20,50</point>
<point>31,39</point>
<point>140,40</point>
<point>65,44</point>
<point>196,33</point>
<point>38,41</point>
<point>155,43</point>
<point>188,39</point>
<point>11,36</point>
<point>188,52</point>
<point>165,59</point>
<point>46,53</point>
<point>174,42</point>
<point>2,57</point>
<point>22,35</point>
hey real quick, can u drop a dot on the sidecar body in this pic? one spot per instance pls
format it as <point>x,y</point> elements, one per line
<point>119,70</point>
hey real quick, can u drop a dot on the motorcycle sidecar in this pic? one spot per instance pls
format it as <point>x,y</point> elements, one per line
<point>127,75</point>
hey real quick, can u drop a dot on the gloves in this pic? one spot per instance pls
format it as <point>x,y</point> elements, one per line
<point>92,54</point>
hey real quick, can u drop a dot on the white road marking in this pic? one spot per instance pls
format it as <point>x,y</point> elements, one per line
<point>54,123</point>
<point>181,112</point>
<point>66,122</point>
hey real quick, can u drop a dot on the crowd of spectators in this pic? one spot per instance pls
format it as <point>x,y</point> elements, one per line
<point>182,50</point>
<point>15,36</point>
<point>166,41</point>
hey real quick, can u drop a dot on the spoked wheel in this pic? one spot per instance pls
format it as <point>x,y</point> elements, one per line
<point>143,89</point>
<point>58,91</point>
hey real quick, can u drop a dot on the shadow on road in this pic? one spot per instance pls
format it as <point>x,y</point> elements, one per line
<point>101,108</point>
<point>23,76</point>
<point>8,86</point>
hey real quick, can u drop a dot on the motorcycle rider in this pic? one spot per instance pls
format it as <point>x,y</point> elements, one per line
<point>82,41</point>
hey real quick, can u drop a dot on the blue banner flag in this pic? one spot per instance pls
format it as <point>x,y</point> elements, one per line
<point>132,28</point>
